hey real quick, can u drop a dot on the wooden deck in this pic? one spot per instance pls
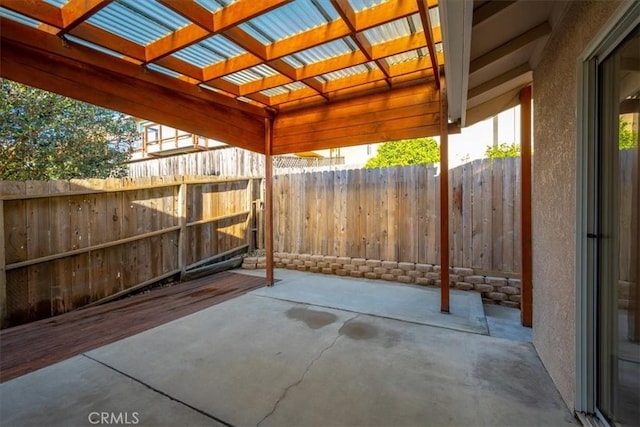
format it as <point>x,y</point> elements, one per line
<point>29,347</point>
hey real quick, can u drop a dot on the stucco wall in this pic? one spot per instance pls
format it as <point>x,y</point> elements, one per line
<point>554,190</point>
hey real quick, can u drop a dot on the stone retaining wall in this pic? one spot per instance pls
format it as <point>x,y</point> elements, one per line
<point>494,290</point>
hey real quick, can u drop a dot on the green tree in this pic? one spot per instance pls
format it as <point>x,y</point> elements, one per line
<point>502,151</point>
<point>627,138</point>
<point>47,136</point>
<point>419,151</point>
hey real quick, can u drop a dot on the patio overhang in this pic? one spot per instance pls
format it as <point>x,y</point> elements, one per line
<point>326,73</point>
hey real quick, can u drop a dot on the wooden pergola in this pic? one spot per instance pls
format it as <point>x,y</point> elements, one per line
<point>271,76</point>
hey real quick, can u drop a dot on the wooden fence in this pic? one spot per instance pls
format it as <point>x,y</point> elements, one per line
<point>68,244</point>
<point>393,214</point>
<point>229,161</point>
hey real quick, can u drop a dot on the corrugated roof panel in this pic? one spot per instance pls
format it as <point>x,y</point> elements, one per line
<point>434,17</point>
<point>393,30</point>
<point>141,21</point>
<point>319,53</point>
<point>251,74</point>
<point>9,14</point>
<point>58,3</point>
<point>209,51</point>
<point>198,55</point>
<point>223,46</point>
<point>290,19</point>
<point>281,90</point>
<point>274,91</point>
<point>348,72</point>
<point>93,46</point>
<point>402,57</point>
<point>359,5</point>
<point>162,70</point>
<point>214,5</point>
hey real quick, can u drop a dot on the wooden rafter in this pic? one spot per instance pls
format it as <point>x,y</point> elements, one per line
<point>428,32</point>
<point>211,83</point>
<point>75,12</point>
<point>349,17</point>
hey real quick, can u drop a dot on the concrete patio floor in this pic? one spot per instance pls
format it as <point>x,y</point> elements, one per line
<point>292,355</point>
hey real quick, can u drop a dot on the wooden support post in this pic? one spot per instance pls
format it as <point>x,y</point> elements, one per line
<point>526,226</point>
<point>444,199</point>
<point>634,316</point>
<point>268,167</point>
<point>3,272</point>
<point>182,233</point>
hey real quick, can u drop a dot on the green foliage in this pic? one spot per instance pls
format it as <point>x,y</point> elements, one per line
<point>46,136</point>
<point>502,151</point>
<point>419,151</point>
<point>627,138</point>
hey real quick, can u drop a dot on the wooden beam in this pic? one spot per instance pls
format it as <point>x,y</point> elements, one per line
<point>509,47</point>
<point>48,45</point>
<point>100,37</point>
<point>444,199</point>
<point>241,11</point>
<point>428,33</point>
<point>230,66</point>
<point>36,9</point>
<point>526,224</point>
<point>512,74</point>
<point>268,203</point>
<point>179,108</point>
<point>490,9</point>
<point>175,41</point>
<point>306,40</point>
<point>3,272</point>
<point>75,12</point>
<point>245,41</point>
<point>192,11</point>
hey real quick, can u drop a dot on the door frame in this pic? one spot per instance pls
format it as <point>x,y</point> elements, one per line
<point>622,22</point>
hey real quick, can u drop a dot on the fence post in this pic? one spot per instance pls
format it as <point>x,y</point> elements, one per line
<point>182,222</point>
<point>3,271</point>
<point>250,219</point>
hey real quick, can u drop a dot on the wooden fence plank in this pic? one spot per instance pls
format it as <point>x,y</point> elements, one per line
<point>497,200</point>
<point>508,206</point>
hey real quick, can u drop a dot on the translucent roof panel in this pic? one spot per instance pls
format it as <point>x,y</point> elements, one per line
<point>250,75</point>
<point>290,19</point>
<point>319,53</point>
<point>214,5</point>
<point>210,51</point>
<point>281,90</point>
<point>393,30</point>
<point>407,56</point>
<point>9,14</point>
<point>141,21</point>
<point>93,46</point>
<point>359,5</point>
<point>58,3</point>
<point>163,70</point>
<point>434,17</point>
<point>348,72</point>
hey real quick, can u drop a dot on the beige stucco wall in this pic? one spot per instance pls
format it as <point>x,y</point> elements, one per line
<point>554,190</point>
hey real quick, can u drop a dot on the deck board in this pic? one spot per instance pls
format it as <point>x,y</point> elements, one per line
<point>32,346</point>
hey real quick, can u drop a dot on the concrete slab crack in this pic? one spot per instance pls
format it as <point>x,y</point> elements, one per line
<point>297,383</point>
<point>200,411</point>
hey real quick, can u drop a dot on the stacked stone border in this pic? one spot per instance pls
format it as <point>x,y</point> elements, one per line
<point>494,290</point>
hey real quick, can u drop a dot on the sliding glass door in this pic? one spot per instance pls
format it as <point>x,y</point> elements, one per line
<point>617,256</point>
